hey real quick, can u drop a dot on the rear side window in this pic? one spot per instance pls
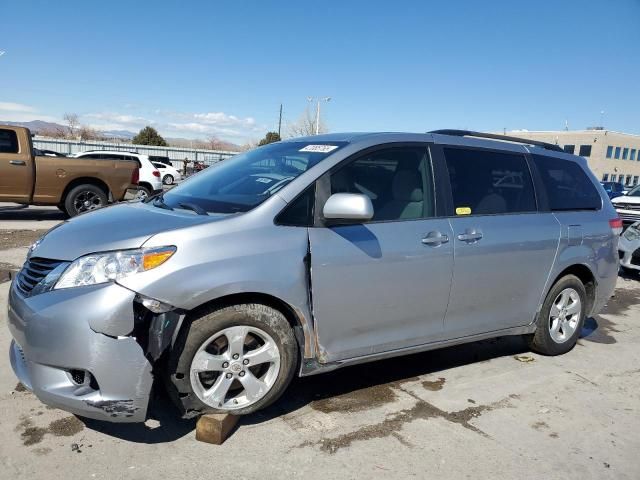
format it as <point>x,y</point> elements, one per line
<point>568,186</point>
<point>485,183</point>
<point>8,141</point>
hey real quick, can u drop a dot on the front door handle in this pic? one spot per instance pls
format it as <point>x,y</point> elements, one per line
<point>470,236</point>
<point>435,238</point>
<point>17,162</point>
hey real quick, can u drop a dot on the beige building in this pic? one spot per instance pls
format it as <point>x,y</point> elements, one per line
<point>612,156</point>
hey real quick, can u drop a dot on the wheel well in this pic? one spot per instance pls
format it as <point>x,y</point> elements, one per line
<point>262,298</point>
<point>85,181</point>
<point>146,185</point>
<point>586,277</point>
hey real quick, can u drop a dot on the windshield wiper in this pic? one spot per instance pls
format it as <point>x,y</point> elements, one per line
<point>158,201</point>
<point>192,206</point>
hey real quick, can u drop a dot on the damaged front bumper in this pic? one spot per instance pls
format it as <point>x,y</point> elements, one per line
<point>88,350</point>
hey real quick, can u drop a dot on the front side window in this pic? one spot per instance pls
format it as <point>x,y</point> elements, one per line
<point>609,151</point>
<point>634,193</point>
<point>585,151</point>
<point>8,141</point>
<point>484,182</point>
<point>397,180</point>
<point>568,186</point>
<point>244,181</point>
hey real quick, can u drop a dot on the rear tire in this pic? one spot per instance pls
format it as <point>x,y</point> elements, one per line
<point>168,179</point>
<point>236,359</point>
<point>143,192</point>
<point>84,198</point>
<point>561,317</point>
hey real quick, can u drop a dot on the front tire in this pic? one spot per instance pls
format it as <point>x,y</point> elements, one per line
<point>236,359</point>
<point>84,198</point>
<point>561,317</point>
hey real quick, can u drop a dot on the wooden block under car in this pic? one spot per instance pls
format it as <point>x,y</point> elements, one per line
<point>215,427</point>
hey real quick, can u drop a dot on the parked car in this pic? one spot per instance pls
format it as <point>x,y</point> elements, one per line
<point>74,186</point>
<point>628,206</point>
<point>150,181</point>
<point>308,255</point>
<point>629,249</point>
<point>160,159</point>
<point>614,189</point>
<point>168,174</point>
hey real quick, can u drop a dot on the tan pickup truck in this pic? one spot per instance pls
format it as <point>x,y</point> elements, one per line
<point>74,185</point>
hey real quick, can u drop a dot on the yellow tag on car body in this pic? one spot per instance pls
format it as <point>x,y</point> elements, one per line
<point>463,211</point>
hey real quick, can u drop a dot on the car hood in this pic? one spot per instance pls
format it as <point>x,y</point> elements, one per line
<point>122,226</point>
<point>626,199</point>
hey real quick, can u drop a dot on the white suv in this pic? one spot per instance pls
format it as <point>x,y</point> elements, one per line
<point>628,206</point>
<point>150,179</point>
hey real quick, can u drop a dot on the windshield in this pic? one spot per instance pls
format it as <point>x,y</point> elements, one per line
<point>635,192</point>
<point>242,182</point>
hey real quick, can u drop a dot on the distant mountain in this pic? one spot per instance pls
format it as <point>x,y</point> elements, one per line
<point>37,126</point>
<point>122,134</point>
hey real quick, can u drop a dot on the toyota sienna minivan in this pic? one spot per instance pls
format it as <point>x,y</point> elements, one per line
<point>308,255</point>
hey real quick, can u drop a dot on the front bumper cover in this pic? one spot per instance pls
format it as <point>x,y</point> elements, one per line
<point>88,329</point>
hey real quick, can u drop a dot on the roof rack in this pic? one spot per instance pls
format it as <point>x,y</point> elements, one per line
<point>495,136</point>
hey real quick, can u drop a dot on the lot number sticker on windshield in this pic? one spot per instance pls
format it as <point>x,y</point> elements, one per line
<point>319,148</point>
<point>463,211</point>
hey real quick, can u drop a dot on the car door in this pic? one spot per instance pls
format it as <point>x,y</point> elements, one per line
<point>16,167</point>
<point>503,247</point>
<point>382,285</point>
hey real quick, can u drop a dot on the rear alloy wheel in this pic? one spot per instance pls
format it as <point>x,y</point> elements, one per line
<point>561,318</point>
<point>84,198</point>
<point>143,193</point>
<point>168,179</point>
<point>236,359</point>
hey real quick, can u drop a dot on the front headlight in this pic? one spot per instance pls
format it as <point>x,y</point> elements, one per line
<point>111,266</point>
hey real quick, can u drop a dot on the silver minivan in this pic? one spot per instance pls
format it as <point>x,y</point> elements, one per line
<point>308,255</point>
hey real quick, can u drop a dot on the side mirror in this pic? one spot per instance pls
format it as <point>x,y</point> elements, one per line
<point>352,207</point>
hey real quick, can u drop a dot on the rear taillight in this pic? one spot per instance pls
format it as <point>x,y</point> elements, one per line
<point>616,225</point>
<point>135,176</point>
<point>156,173</point>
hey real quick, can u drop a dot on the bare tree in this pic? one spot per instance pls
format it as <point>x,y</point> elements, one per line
<point>53,133</point>
<point>214,143</point>
<point>306,125</point>
<point>73,122</point>
<point>88,133</point>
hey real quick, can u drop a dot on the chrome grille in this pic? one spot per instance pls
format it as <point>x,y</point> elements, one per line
<point>627,206</point>
<point>33,272</point>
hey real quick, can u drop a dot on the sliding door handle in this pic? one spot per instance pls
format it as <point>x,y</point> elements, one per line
<point>470,236</point>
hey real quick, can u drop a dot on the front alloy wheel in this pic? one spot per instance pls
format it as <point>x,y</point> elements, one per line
<point>235,368</point>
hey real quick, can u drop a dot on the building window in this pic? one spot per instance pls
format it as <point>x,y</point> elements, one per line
<point>605,177</point>
<point>621,178</point>
<point>635,180</point>
<point>625,153</point>
<point>585,150</point>
<point>633,154</point>
<point>609,151</point>
<point>628,181</point>
<point>569,149</point>
<point>617,154</point>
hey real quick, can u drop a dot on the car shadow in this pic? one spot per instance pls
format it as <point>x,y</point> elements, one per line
<point>21,212</point>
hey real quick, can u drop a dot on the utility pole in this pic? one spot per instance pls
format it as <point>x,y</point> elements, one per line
<point>280,122</point>
<point>319,99</point>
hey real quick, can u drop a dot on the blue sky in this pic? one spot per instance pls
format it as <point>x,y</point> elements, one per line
<point>195,69</point>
